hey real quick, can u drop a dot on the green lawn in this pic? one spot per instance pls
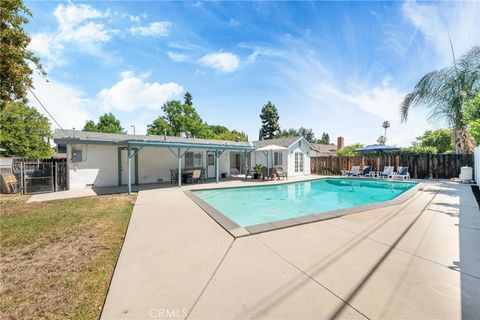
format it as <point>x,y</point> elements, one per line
<point>57,258</point>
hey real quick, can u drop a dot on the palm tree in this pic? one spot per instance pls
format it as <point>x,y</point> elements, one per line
<point>385,125</point>
<point>445,92</point>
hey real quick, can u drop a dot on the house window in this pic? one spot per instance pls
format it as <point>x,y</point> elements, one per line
<point>298,162</point>
<point>211,159</point>
<point>193,160</point>
<point>278,159</point>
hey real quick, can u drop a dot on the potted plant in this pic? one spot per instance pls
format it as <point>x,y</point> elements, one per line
<point>257,171</point>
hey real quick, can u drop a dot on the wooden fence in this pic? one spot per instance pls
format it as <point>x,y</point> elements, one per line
<point>437,166</point>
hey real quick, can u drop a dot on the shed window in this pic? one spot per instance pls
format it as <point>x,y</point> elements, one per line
<point>193,160</point>
<point>278,159</point>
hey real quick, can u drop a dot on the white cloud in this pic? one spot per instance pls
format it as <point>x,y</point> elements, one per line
<point>222,61</point>
<point>66,103</point>
<point>437,21</point>
<point>158,28</point>
<point>77,24</point>
<point>132,92</point>
<point>176,56</point>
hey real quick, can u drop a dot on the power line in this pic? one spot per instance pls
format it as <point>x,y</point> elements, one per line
<point>390,132</point>
<point>44,108</point>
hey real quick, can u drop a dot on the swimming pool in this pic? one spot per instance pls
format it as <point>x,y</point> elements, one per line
<point>254,205</point>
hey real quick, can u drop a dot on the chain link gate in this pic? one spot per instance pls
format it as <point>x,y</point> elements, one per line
<point>34,176</point>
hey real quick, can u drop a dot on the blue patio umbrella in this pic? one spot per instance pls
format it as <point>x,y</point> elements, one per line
<point>377,148</point>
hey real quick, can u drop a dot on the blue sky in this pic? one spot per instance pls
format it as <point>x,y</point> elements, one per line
<point>339,67</point>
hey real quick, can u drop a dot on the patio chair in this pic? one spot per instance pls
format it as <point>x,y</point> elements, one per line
<point>195,176</point>
<point>387,172</point>
<point>265,173</point>
<point>403,173</point>
<point>281,173</point>
<point>354,172</point>
<point>202,175</point>
<point>366,171</point>
<point>173,176</point>
<point>272,172</point>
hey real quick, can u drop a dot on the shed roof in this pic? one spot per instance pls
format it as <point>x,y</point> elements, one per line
<point>283,142</point>
<point>85,137</point>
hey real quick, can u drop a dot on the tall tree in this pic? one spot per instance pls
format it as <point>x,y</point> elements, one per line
<point>25,132</point>
<point>438,141</point>
<point>180,117</point>
<point>445,92</point>
<point>15,58</point>
<point>472,117</point>
<point>106,123</point>
<point>270,121</point>
<point>385,125</point>
<point>325,138</point>
<point>382,140</point>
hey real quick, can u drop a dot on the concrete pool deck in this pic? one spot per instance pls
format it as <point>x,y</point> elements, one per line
<point>419,259</point>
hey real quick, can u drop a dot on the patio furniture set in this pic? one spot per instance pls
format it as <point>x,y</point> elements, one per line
<point>274,173</point>
<point>387,173</point>
<point>188,175</point>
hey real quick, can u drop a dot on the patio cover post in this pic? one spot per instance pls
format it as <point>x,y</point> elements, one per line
<point>179,175</point>
<point>216,165</point>
<point>129,159</point>
<point>246,165</point>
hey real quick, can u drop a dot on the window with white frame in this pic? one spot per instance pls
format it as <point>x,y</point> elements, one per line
<point>193,160</point>
<point>278,159</point>
<point>298,162</point>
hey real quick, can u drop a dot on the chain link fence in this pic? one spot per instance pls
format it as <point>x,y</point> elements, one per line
<point>34,176</point>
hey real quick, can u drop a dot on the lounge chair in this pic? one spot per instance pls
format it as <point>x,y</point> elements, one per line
<point>366,171</point>
<point>354,172</point>
<point>281,173</point>
<point>387,172</point>
<point>173,176</point>
<point>402,172</point>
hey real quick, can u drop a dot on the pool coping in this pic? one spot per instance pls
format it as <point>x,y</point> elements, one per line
<point>237,231</point>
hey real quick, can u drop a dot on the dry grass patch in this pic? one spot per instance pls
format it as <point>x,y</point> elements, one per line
<point>57,257</point>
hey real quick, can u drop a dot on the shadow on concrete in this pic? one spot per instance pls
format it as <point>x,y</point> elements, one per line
<point>273,299</point>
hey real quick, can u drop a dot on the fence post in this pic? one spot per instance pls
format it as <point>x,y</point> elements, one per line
<point>55,174</point>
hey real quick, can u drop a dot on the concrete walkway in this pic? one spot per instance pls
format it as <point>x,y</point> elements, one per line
<point>417,260</point>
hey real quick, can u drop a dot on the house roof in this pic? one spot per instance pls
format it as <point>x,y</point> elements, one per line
<point>283,142</point>
<point>85,137</point>
<point>325,147</point>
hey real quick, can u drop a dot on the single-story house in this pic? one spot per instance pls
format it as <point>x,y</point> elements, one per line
<point>294,159</point>
<point>105,159</point>
<point>327,150</point>
<point>101,159</point>
<point>324,150</point>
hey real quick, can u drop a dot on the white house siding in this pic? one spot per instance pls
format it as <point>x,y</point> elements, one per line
<point>99,166</point>
<point>154,165</point>
<point>476,169</point>
<point>258,157</point>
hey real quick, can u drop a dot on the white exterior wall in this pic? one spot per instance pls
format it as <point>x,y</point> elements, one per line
<point>476,164</point>
<point>258,157</point>
<point>99,166</point>
<point>301,147</point>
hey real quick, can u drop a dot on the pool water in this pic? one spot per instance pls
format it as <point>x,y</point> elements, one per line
<point>254,205</point>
